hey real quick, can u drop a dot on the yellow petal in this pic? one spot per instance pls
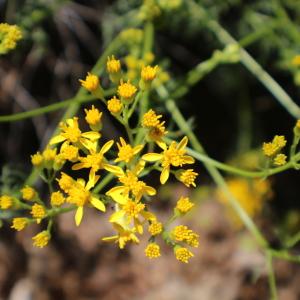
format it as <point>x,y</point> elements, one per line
<point>79,215</point>
<point>98,204</point>
<point>148,215</point>
<point>110,238</point>
<point>78,166</point>
<point>182,144</point>
<point>116,194</point>
<point>150,190</point>
<point>106,146</point>
<point>188,159</point>
<point>162,145</point>
<point>117,216</point>
<point>57,139</point>
<point>138,226</point>
<point>137,149</point>
<point>152,157</point>
<point>164,176</point>
<point>91,146</point>
<point>114,169</point>
<point>92,135</point>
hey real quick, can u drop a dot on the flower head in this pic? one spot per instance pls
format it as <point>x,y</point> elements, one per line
<point>37,159</point>
<point>280,159</point>
<point>183,254</point>
<point>57,199</point>
<point>155,228</point>
<point>6,202</point>
<point>182,233</point>
<point>184,205</point>
<point>126,152</point>
<point>28,193</point>
<point>148,73</point>
<point>41,239</point>
<point>38,212</point>
<point>114,105</point>
<point>187,177</point>
<point>94,161</point>
<point>123,236</point>
<point>151,119</point>
<point>152,251</point>
<point>93,118</point>
<point>70,133</point>
<point>113,65</point>
<point>19,223</point>
<point>126,91</point>
<point>10,34</point>
<point>69,152</point>
<point>174,155</point>
<point>91,82</point>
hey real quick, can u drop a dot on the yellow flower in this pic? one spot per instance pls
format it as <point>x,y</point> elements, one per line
<point>38,212</point>
<point>126,152</point>
<point>184,205</point>
<point>65,182</point>
<point>9,34</point>
<point>70,133</point>
<point>279,141</point>
<point>57,199</point>
<point>280,160</point>
<point>91,82</point>
<point>49,156</point>
<point>129,213</point>
<point>158,132</point>
<point>41,239</point>
<point>124,235</point>
<point>152,251</point>
<point>174,155</point>
<point>296,60</point>
<point>94,161</point>
<point>37,159</point>
<point>183,254</point>
<point>269,149</point>
<point>251,195</point>
<point>28,193</point>
<point>19,223</point>
<point>182,233</point>
<point>126,91</point>
<point>114,105</point>
<point>187,177</point>
<point>148,73</point>
<point>151,119</point>
<point>93,118</point>
<point>131,184</point>
<point>6,202</point>
<point>272,148</point>
<point>113,65</point>
<point>298,123</point>
<point>155,228</point>
<point>80,195</point>
<point>69,152</point>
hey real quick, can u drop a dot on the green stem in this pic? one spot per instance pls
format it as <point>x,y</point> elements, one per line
<point>225,38</point>
<point>292,241</point>
<point>271,276</point>
<point>282,254</point>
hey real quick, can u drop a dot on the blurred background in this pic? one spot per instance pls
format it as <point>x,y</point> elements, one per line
<point>231,112</point>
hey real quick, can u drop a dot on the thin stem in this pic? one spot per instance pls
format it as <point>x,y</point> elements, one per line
<point>271,276</point>
<point>225,38</point>
<point>283,254</point>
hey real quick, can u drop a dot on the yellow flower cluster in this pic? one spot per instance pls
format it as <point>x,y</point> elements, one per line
<point>272,150</point>
<point>6,202</point>
<point>126,159</point>
<point>251,195</point>
<point>9,36</point>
